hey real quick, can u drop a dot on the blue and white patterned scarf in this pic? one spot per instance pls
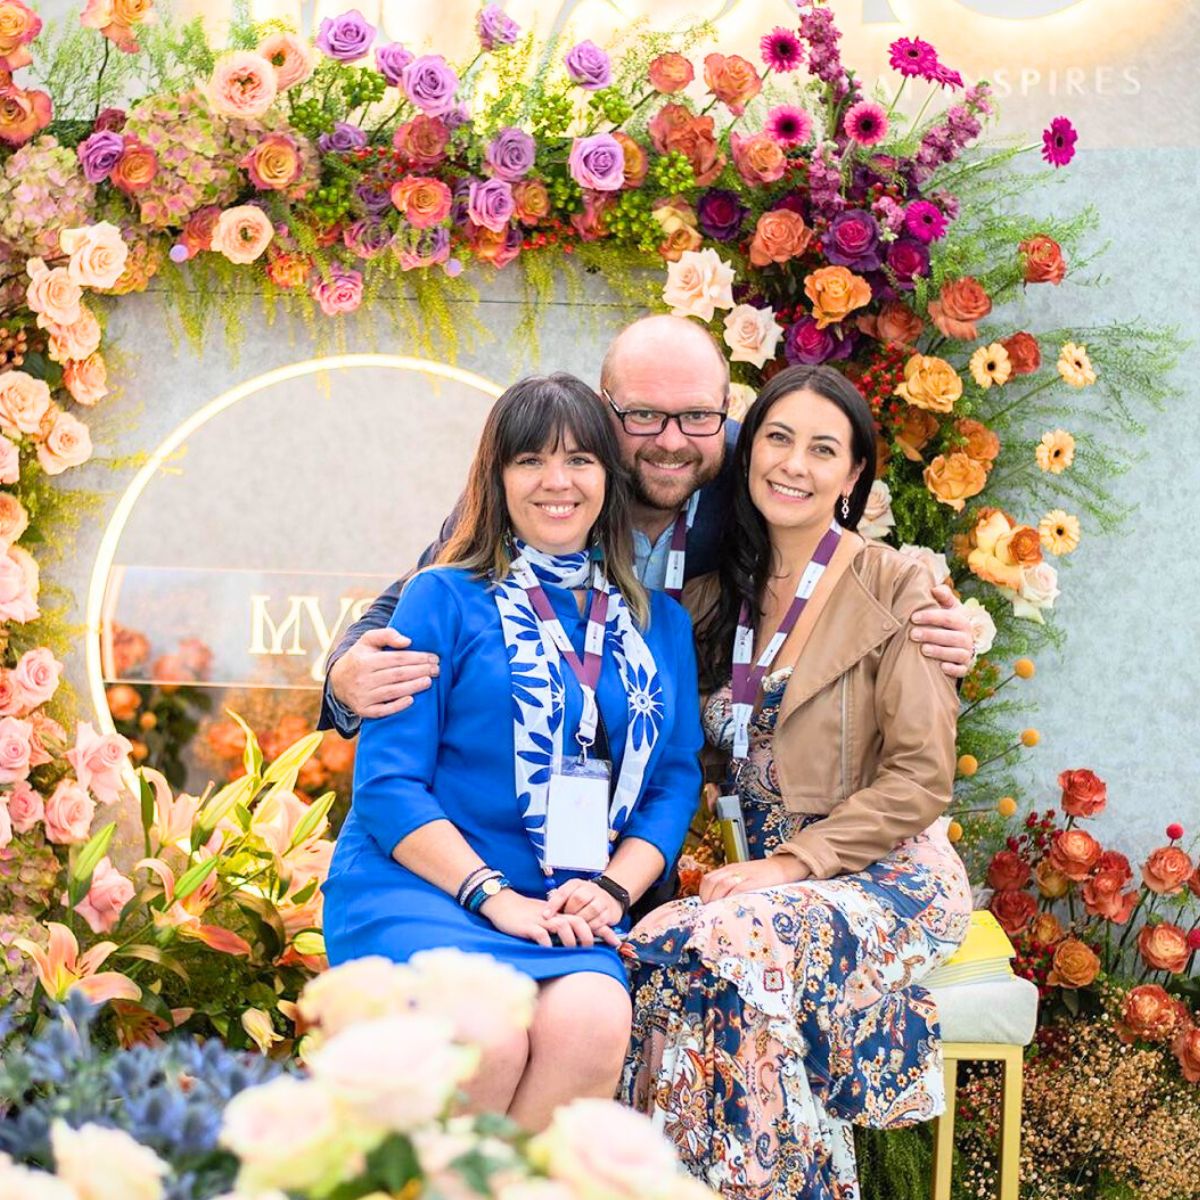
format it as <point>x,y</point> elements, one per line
<point>537,688</point>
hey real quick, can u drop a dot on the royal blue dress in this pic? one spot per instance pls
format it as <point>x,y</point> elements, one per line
<point>450,755</point>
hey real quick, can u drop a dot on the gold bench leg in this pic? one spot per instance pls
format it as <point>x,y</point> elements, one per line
<point>943,1135</point>
<point>1010,1124</point>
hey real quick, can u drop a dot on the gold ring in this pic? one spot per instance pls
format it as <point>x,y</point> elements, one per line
<point>738,878</point>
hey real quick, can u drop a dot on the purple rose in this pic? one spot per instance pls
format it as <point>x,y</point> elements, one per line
<point>491,204</point>
<point>597,162</point>
<point>510,154</point>
<point>367,237</point>
<point>374,195</point>
<point>346,37</point>
<point>391,61</point>
<point>460,194</point>
<point>907,259</point>
<point>495,27</point>
<point>341,139</point>
<point>806,345</point>
<point>99,154</point>
<point>588,66</point>
<point>426,248</point>
<point>852,240</point>
<point>460,114</point>
<point>430,83</point>
<point>720,214</point>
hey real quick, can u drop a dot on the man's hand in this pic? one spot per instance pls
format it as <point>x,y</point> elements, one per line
<point>752,876</point>
<point>378,675</point>
<point>945,633</point>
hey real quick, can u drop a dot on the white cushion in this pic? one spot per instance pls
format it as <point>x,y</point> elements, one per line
<point>1002,1012</point>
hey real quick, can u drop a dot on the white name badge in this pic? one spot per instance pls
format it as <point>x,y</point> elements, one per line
<point>577,816</point>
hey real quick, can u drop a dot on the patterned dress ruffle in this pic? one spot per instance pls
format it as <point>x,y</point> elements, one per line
<point>767,1023</point>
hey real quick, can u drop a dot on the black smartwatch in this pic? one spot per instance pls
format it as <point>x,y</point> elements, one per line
<point>616,891</point>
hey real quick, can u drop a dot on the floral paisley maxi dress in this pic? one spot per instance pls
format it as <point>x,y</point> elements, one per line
<point>766,1024</point>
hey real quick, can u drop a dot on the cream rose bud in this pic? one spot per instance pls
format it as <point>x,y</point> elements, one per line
<point>877,520</point>
<point>983,627</point>
<point>98,254</point>
<point>394,1073</point>
<point>752,334</point>
<point>741,396</point>
<point>1039,590</point>
<point>36,675</point>
<point>698,284</point>
<point>69,813</point>
<point>935,564</point>
<point>605,1152</point>
<point>448,983</point>
<point>292,1134</point>
<point>106,1164</point>
<point>361,990</point>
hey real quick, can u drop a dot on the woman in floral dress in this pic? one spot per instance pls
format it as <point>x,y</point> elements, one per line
<point>783,1004</point>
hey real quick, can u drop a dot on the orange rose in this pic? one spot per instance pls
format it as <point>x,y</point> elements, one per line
<point>670,73</point>
<point>930,382</point>
<point>1194,882</point>
<point>1187,1050</point>
<point>1167,870</point>
<point>779,235</point>
<point>980,443</point>
<point>758,159</point>
<point>675,127</point>
<point>895,325</point>
<point>1047,930</point>
<point>1007,870</point>
<point>990,558</point>
<point>883,455</point>
<point>1044,262</point>
<point>226,739</point>
<point>1025,546</point>
<point>733,80</point>
<point>962,302</point>
<point>532,201</point>
<point>1013,909</point>
<point>835,292</point>
<point>423,201</point>
<point>123,701</point>
<point>136,167</point>
<point>914,431</point>
<point>1103,897</point>
<point>1149,1015</point>
<point>1024,354</point>
<point>1164,947</point>
<point>1074,853</point>
<point>22,113</point>
<point>678,221</point>
<point>636,161</point>
<point>954,479</point>
<point>274,164</point>
<point>336,753</point>
<point>1075,965</point>
<point>1114,860</point>
<point>1052,884</point>
<point>422,141</point>
<point>289,270</point>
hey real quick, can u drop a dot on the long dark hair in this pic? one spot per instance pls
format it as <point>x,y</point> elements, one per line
<point>746,544</point>
<point>534,412</point>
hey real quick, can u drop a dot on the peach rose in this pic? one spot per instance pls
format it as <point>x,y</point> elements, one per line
<point>732,79</point>
<point>758,158</point>
<point>129,650</point>
<point>25,806</point>
<point>1103,897</point>
<point>1186,1049</point>
<point>19,25</point>
<point>23,113</point>
<point>99,761</point>
<point>86,379</point>
<point>24,401</point>
<point>931,560</point>
<point>136,168</point>
<point>69,813</point>
<point>243,84</point>
<point>423,140</point>
<point>1024,354</point>
<point>961,303</point>
<point>675,127</point>
<point>953,479</point>
<point>637,163</point>
<point>678,221</point>
<point>109,892</point>
<point>100,1163</point>
<point>98,254</point>
<point>123,701</point>
<point>532,201</point>
<point>1114,860</point>
<point>1164,947</point>
<point>289,270</point>
<point>1166,871</point>
<point>1074,853</point>
<point>1075,965</point>
<point>1013,909</point>
<point>1047,930</point>
<point>242,233</point>
<point>929,382</point>
<point>980,442</point>
<point>14,520</point>
<point>670,73</point>
<point>834,293</point>
<point>425,202</point>
<point>132,12</point>
<point>779,235</point>
<point>895,325</point>
<point>698,284</point>
<point>67,444</point>
<point>47,735</point>
<point>914,431</point>
<point>274,164</point>
<point>1044,262</point>
<point>752,334</point>
<point>73,343</point>
<point>1052,884</point>
<point>1084,793</point>
<point>1007,870</point>
<point>990,559</point>
<point>10,456</point>
<point>36,676</point>
<point>1149,1015</point>
<point>52,293</point>
<point>1025,546</point>
<point>291,56</point>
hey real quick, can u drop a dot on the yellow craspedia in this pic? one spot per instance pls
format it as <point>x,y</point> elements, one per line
<point>1006,806</point>
<point>1030,737</point>
<point>1023,668</point>
<point>1059,531</point>
<point>968,764</point>
<point>954,832</point>
<point>1056,451</point>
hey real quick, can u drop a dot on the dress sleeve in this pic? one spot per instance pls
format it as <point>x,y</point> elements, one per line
<point>397,755</point>
<point>670,796</point>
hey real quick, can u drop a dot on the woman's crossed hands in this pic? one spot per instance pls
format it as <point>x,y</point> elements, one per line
<point>577,914</point>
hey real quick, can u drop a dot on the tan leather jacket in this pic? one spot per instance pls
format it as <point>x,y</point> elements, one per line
<point>866,727</point>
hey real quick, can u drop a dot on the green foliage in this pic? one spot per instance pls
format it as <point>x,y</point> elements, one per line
<point>894,1164</point>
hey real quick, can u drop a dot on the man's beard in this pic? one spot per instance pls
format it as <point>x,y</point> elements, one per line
<point>668,495</point>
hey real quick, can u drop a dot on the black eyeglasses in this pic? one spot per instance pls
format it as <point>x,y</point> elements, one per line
<point>649,422</point>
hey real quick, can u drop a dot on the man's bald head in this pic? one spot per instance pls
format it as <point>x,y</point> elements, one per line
<point>670,344</point>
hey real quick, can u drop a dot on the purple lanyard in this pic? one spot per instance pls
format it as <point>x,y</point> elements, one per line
<point>677,556</point>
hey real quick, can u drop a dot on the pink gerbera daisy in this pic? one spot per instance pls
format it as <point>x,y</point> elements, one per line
<point>789,125</point>
<point>944,76</point>
<point>925,221</point>
<point>1058,142</point>
<point>866,123</point>
<point>781,50</point>
<point>912,56</point>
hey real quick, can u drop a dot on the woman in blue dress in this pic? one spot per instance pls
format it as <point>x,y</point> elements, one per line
<point>479,809</point>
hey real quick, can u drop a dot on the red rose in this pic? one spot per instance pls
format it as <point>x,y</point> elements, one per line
<point>1024,354</point>
<point>1007,870</point>
<point>1114,860</point>
<point>1044,262</point>
<point>1084,794</point>
<point>1013,909</point>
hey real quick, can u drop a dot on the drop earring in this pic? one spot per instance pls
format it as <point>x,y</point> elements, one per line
<point>845,508</point>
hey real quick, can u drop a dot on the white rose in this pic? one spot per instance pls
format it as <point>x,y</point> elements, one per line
<point>1039,590</point>
<point>485,1000</point>
<point>752,334</point>
<point>877,519</point>
<point>983,628</point>
<point>698,284</point>
<point>741,396</point>
<point>356,991</point>
<point>935,564</point>
<point>106,1164</point>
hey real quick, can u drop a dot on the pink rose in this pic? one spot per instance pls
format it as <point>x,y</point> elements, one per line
<point>37,675</point>
<point>6,829</point>
<point>52,294</point>
<point>69,813</point>
<point>109,892</point>
<point>98,760</point>
<point>242,233</point>
<point>12,701</point>
<point>10,460</point>
<point>292,57</point>
<point>86,380</point>
<point>80,340</point>
<point>68,444</point>
<point>98,254</point>
<point>25,806</point>
<point>340,293</point>
<point>243,84</point>
<point>759,158</point>
<point>18,597</point>
<point>14,749</point>
<point>14,520</point>
<point>24,401</point>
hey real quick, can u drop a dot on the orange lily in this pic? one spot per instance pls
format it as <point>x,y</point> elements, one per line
<point>62,968</point>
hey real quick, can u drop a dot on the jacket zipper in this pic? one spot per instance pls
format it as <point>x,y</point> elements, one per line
<point>845,736</point>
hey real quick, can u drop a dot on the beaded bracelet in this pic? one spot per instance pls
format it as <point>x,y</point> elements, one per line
<point>464,887</point>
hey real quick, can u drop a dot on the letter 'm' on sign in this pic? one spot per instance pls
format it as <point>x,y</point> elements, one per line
<point>265,636</point>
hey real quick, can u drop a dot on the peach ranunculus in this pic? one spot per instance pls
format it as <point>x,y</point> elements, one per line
<point>1052,884</point>
<point>274,164</point>
<point>25,806</point>
<point>69,813</point>
<point>1150,1014</point>
<point>834,293</point>
<point>675,127</point>
<point>758,158</point>
<point>19,25</point>
<point>1074,853</point>
<point>291,56</point>
<point>960,304</point>
<point>1075,965</point>
<point>670,73</point>
<point>98,254</point>
<point>36,676</point>
<point>243,84</point>
<point>954,478</point>
<point>779,235</point>
<point>109,892</point>
<point>1186,1049</point>
<point>52,293</point>
<point>99,761</point>
<point>678,221</point>
<point>14,520</point>
<point>423,201</point>
<point>75,342</point>
<point>752,334</point>
<point>979,442</point>
<point>698,284</point>
<point>86,379</point>
<point>242,233</point>
<point>67,444</point>
<point>991,558</point>
<point>24,113</point>
<point>895,325</point>
<point>914,431</point>
<point>1164,947</point>
<point>1104,896</point>
<point>1044,262</point>
<point>1014,909</point>
<point>1166,871</point>
<point>136,168</point>
<point>18,586</point>
<point>1084,793</point>
<point>929,382</point>
<point>732,79</point>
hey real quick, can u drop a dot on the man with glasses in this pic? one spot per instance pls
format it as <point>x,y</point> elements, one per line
<point>666,381</point>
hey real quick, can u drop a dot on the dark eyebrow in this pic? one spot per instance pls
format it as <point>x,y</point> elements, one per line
<point>828,437</point>
<point>780,425</point>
